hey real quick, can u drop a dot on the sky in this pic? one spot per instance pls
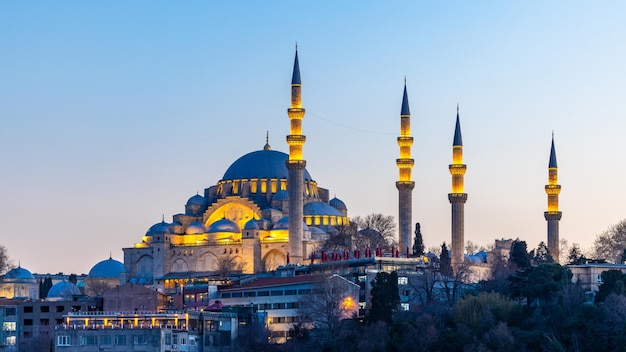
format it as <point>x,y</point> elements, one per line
<point>114,113</point>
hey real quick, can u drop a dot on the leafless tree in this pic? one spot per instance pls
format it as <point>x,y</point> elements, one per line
<point>384,225</point>
<point>611,243</point>
<point>229,264</point>
<point>6,263</point>
<point>332,300</point>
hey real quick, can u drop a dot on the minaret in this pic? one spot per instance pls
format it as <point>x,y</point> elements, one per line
<point>296,165</point>
<point>457,198</point>
<point>553,215</point>
<point>405,182</point>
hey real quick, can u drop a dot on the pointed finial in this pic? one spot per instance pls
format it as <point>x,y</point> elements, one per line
<point>163,218</point>
<point>295,78</point>
<point>405,102</point>
<point>552,163</point>
<point>267,141</point>
<point>110,255</point>
<point>296,46</point>
<point>458,140</point>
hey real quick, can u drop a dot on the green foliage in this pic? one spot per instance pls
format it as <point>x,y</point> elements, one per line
<point>613,281</point>
<point>418,242</point>
<point>576,256</point>
<point>385,297</point>
<point>542,254</point>
<point>542,284</point>
<point>445,263</point>
<point>480,312</point>
<point>519,256</point>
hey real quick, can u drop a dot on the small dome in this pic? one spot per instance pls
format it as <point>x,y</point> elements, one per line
<point>223,225</point>
<point>338,204</point>
<point>283,224</point>
<point>106,269</point>
<point>64,289</point>
<point>159,229</point>
<point>196,200</point>
<point>316,230</point>
<point>19,273</point>
<point>195,228</point>
<point>319,208</point>
<point>251,225</point>
<point>281,195</point>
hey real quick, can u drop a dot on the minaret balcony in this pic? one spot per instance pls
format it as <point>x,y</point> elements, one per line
<point>405,163</point>
<point>405,141</point>
<point>457,169</point>
<point>296,139</point>
<point>553,189</point>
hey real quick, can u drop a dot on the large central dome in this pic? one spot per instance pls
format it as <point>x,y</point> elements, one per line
<point>269,164</point>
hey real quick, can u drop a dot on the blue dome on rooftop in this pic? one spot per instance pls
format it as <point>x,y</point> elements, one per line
<point>195,228</point>
<point>269,164</point>
<point>320,208</point>
<point>251,225</point>
<point>158,229</point>
<point>283,224</point>
<point>196,200</point>
<point>223,225</point>
<point>106,269</point>
<point>281,195</point>
<point>338,204</point>
<point>19,273</point>
<point>64,289</point>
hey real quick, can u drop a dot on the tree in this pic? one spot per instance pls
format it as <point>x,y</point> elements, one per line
<point>384,225</point>
<point>519,257</point>
<point>385,297</point>
<point>542,254</point>
<point>611,243</point>
<point>228,264</point>
<point>6,263</point>
<point>541,284</point>
<point>575,255</point>
<point>332,300</point>
<point>44,287</point>
<point>613,282</point>
<point>445,262</point>
<point>418,242</point>
<point>471,247</point>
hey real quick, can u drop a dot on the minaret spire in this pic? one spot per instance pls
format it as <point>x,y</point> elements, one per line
<point>405,182</point>
<point>295,167</point>
<point>553,215</point>
<point>457,197</point>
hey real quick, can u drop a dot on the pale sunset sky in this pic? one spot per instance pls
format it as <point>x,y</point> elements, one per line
<point>114,113</point>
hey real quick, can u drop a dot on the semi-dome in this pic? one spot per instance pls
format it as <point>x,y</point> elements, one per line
<point>63,289</point>
<point>197,200</point>
<point>158,229</point>
<point>320,208</point>
<point>283,224</point>
<point>106,269</point>
<point>223,225</point>
<point>338,204</point>
<point>195,228</point>
<point>19,273</point>
<point>281,195</point>
<point>261,164</point>
<point>251,225</point>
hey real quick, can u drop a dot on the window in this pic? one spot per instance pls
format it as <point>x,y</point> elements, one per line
<point>403,280</point>
<point>174,339</point>
<point>249,294</point>
<point>168,339</point>
<point>276,293</point>
<point>236,294</point>
<point>105,339</point>
<point>44,321</point>
<point>304,291</point>
<point>8,326</point>
<point>44,309</point>
<point>11,311</point>
<point>63,340</point>
<point>60,309</point>
<point>28,309</point>
<point>183,341</point>
<point>141,340</point>
<point>119,340</point>
<point>404,307</point>
<point>28,322</point>
<point>290,292</point>
<point>225,295</point>
<point>75,308</point>
<point>88,340</point>
<point>263,293</point>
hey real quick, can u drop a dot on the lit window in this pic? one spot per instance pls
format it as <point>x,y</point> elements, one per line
<point>402,280</point>
<point>404,307</point>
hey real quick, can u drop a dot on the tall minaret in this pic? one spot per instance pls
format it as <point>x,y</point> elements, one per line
<point>405,182</point>
<point>296,165</point>
<point>553,215</point>
<point>457,197</point>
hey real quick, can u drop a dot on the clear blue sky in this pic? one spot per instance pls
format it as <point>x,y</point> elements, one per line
<point>114,113</point>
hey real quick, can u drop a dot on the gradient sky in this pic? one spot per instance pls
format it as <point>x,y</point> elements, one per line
<point>115,113</point>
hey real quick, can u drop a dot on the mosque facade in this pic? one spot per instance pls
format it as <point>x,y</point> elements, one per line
<point>244,218</point>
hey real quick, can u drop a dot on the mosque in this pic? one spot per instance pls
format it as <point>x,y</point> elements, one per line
<point>266,211</point>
